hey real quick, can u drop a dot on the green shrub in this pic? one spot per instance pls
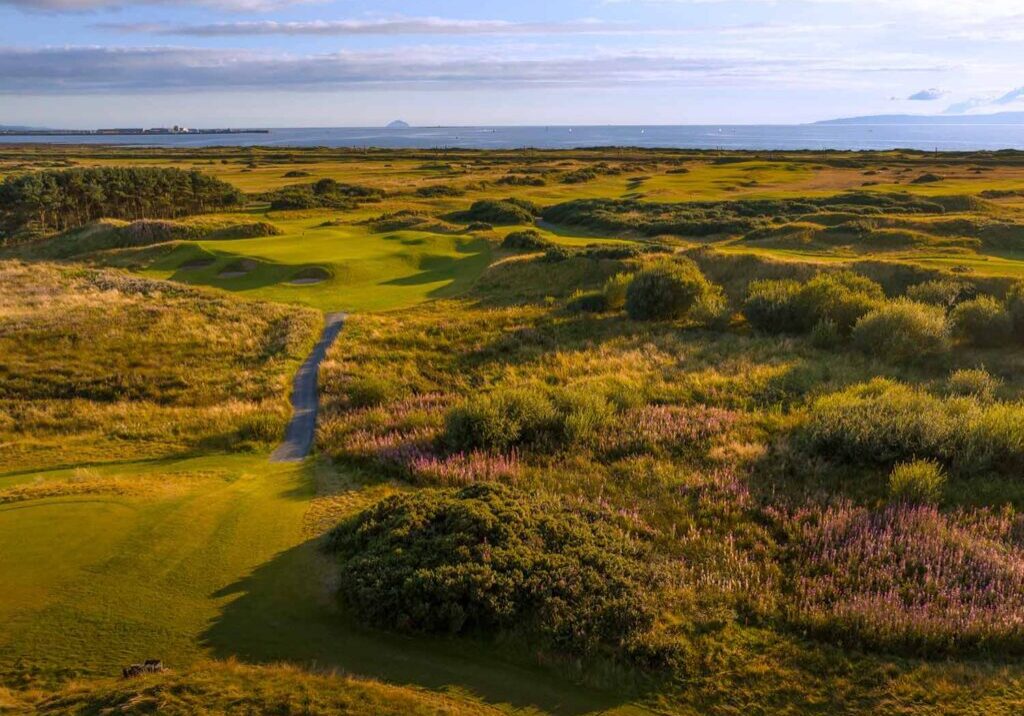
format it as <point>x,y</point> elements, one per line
<point>665,291</point>
<point>615,290</point>
<point>939,292</point>
<point>501,419</point>
<point>880,422</point>
<point>712,309</point>
<point>976,383</point>
<point>771,306</point>
<point>587,302</point>
<point>1015,306</point>
<point>919,482</point>
<point>842,298</point>
<point>584,416</point>
<point>501,212</point>
<point>903,332</point>
<point>528,240</point>
<point>370,391</point>
<point>826,335</point>
<point>982,322</point>
<point>488,560</point>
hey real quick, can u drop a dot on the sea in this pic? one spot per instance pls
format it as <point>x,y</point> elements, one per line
<point>856,137</point>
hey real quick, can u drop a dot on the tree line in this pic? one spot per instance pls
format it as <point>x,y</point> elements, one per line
<point>56,200</point>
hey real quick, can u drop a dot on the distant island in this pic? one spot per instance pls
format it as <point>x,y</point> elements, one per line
<point>997,118</point>
<point>398,124</point>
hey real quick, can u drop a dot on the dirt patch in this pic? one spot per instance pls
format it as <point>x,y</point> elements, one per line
<point>309,276</point>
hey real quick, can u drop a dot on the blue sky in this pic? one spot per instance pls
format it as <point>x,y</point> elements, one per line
<point>89,63</point>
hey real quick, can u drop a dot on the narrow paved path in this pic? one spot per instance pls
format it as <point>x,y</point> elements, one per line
<point>298,438</point>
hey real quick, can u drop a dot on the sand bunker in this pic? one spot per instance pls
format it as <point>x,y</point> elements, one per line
<point>237,269</point>
<point>308,276</point>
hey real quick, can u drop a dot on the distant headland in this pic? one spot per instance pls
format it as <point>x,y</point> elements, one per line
<point>119,132</point>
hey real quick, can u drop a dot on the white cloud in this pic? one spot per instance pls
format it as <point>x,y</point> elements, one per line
<point>928,95</point>
<point>89,5</point>
<point>395,26</point>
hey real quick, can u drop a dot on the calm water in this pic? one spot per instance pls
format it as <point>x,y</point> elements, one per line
<point>809,136</point>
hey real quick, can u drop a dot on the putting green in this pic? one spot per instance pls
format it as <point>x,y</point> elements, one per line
<point>360,270</point>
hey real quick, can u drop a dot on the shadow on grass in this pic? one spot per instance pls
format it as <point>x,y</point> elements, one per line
<point>283,611</point>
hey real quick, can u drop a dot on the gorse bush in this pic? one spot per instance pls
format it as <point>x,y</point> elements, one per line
<point>665,291</point>
<point>587,302</point>
<point>903,332</point>
<point>982,322</point>
<point>918,482</point>
<point>502,212</point>
<point>486,559</point>
<point>790,307</point>
<point>528,240</point>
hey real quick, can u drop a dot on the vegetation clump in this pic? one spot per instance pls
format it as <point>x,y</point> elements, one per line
<point>487,559</point>
<point>502,212</point>
<point>939,292</point>
<point>903,331</point>
<point>665,291</point>
<point>787,306</point>
<point>982,322</point>
<point>918,482</point>
<point>322,194</point>
<point>528,240</point>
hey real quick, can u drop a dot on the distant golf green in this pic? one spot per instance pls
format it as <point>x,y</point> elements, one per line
<point>336,267</point>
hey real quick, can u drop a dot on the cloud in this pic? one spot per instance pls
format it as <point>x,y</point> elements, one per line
<point>1011,97</point>
<point>397,26</point>
<point>77,70</point>
<point>90,5</point>
<point>928,95</point>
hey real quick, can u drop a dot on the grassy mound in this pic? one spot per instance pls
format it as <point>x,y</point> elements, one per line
<point>229,688</point>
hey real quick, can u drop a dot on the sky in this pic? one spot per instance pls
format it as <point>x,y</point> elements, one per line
<point>319,63</point>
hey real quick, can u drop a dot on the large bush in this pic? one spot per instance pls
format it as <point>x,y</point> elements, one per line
<point>790,307</point>
<point>665,291</point>
<point>903,332</point>
<point>982,322</point>
<point>487,559</point>
<point>502,212</point>
<point>939,292</point>
<point>528,240</point>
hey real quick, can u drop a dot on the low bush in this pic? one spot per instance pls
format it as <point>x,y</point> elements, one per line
<point>587,302</point>
<point>501,419</point>
<point>438,190</point>
<point>371,390</point>
<point>884,422</point>
<point>501,212</point>
<point>982,322</point>
<point>903,332</point>
<point>665,291</point>
<point>917,482</point>
<point>1015,307</point>
<point>487,560</point>
<point>615,290</point>
<point>973,382</point>
<point>528,240</point>
<point>790,307</point>
<point>939,292</point>
<point>525,417</point>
